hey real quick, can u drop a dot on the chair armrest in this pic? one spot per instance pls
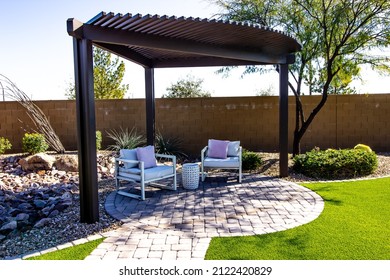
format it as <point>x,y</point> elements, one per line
<point>204,150</point>
<point>166,156</point>
<point>126,160</point>
<point>118,160</point>
<point>203,153</point>
<point>171,157</point>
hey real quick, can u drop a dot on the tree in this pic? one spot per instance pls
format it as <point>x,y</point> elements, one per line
<point>185,88</point>
<point>108,76</point>
<point>337,36</point>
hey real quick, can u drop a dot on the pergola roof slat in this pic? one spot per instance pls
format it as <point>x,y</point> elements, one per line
<point>150,36</point>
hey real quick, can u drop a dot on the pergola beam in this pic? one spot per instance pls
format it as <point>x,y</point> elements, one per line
<point>126,53</point>
<point>127,38</point>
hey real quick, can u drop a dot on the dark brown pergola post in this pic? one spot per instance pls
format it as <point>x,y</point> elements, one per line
<point>86,130</point>
<point>283,120</point>
<point>150,105</point>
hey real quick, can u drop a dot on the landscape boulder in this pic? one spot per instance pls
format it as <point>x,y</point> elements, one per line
<point>67,163</point>
<point>40,161</point>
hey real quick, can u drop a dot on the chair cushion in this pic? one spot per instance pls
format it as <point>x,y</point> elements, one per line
<point>150,174</point>
<point>128,154</point>
<point>217,148</point>
<point>233,149</point>
<point>147,155</point>
<point>230,162</point>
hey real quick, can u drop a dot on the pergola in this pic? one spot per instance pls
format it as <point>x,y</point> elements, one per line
<point>161,42</point>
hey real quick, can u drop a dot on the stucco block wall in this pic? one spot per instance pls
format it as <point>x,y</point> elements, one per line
<point>344,121</point>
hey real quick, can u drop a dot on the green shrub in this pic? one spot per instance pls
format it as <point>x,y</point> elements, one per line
<point>336,164</point>
<point>125,139</point>
<point>169,146</point>
<point>33,143</point>
<point>250,160</point>
<point>99,139</point>
<point>363,147</point>
<point>5,144</point>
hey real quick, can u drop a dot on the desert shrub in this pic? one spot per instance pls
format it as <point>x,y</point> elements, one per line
<point>125,139</point>
<point>5,144</point>
<point>169,146</point>
<point>250,160</point>
<point>336,164</point>
<point>99,139</point>
<point>33,143</point>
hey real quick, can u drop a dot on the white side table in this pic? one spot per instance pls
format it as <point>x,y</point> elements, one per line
<point>190,175</point>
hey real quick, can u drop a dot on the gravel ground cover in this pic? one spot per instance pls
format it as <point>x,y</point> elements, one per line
<point>65,225</point>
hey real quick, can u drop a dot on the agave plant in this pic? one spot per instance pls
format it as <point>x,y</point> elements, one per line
<point>169,146</point>
<point>125,139</point>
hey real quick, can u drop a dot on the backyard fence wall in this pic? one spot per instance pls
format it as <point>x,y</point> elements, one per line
<point>344,121</point>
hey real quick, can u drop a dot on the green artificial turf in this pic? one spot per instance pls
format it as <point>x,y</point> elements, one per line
<point>78,252</point>
<point>355,225</point>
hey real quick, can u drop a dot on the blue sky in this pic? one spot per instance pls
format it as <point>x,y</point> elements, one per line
<point>36,52</point>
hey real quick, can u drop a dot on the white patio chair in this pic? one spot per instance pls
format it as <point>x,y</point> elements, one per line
<point>129,167</point>
<point>232,159</point>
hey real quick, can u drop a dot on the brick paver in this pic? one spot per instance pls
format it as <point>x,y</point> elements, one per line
<point>179,225</point>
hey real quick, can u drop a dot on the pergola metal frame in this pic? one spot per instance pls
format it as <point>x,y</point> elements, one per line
<point>160,42</point>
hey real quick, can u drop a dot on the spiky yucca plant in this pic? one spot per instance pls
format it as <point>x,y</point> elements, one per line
<point>125,139</point>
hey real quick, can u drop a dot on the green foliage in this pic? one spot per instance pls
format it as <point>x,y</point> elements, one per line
<point>186,88</point>
<point>250,160</point>
<point>125,139</point>
<point>169,146</point>
<point>363,147</point>
<point>108,76</point>
<point>77,252</point>
<point>34,143</point>
<point>5,144</point>
<point>99,139</point>
<point>336,164</point>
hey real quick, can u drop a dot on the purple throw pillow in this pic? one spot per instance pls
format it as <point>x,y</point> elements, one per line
<point>129,154</point>
<point>147,155</point>
<point>217,148</point>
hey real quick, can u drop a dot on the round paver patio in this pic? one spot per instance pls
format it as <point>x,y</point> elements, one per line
<point>179,224</point>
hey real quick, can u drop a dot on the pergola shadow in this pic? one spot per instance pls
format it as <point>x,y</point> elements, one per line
<point>161,42</point>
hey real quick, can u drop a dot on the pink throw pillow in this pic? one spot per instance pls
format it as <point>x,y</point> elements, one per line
<point>217,148</point>
<point>147,155</point>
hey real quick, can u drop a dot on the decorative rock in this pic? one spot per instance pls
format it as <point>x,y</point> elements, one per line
<point>2,210</point>
<point>30,195</point>
<point>46,211</point>
<point>40,161</point>
<point>22,217</point>
<point>43,222</point>
<point>54,213</point>
<point>25,207</point>
<point>66,196</point>
<point>8,227</point>
<point>67,164</point>
<point>39,203</point>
